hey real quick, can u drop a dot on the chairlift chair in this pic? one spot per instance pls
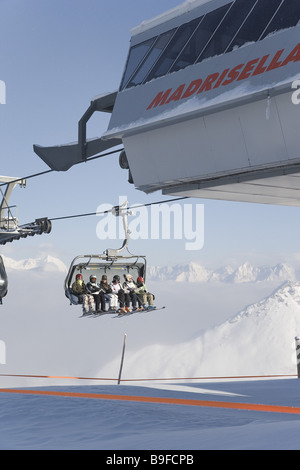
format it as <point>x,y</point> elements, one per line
<point>98,265</point>
<point>110,263</point>
<point>3,280</point>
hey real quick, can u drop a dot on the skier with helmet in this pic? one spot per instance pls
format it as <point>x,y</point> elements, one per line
<point>118,295</point>
<point>106,289</point>
<point>142,292</point>
<point>94,289</point>
<point>79,289</point>
<point>130,288</point>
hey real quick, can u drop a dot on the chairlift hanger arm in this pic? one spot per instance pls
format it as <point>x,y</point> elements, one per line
<point>121,211</point>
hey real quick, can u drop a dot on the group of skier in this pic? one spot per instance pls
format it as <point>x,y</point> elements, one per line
<point>94,296</point>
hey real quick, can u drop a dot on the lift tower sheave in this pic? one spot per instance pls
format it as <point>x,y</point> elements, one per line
<point>10,229</point>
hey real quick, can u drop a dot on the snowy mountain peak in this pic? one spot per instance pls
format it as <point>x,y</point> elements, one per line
<point>194,272</point>
<point>46,263</point>
<point>260,340</point>
<point>286,297</point>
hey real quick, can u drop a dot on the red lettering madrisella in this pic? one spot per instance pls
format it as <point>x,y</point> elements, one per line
<point>238,73</point>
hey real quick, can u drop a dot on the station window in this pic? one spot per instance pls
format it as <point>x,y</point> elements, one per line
<point>287,16</point>
<point>228,28</point>
<point>180,39</point>
<point>199,40</point>
<point>255,24</point>
<point>151,58</point>
<point>136,55</point>
<point>218,32</point>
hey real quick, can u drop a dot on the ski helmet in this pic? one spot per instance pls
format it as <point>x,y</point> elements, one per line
<point>116,278</point>
<point>93,277</point>
<point>140,279</point>
<point>78,276</point>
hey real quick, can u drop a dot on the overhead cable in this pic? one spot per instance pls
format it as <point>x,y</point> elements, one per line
<point>50,171</point>
<point>88,214</point>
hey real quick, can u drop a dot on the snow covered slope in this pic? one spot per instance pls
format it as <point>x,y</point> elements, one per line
<point>257,341</point>
<point>52,422</point>
<point>197,334</point>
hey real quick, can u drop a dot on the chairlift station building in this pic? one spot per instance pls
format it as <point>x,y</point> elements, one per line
<point>205,105</point>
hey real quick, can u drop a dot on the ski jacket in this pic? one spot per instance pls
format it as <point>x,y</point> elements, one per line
<point>141,288</point>
<point>93,288</point>
<point>78,287</point>
<point>105,287</point>
<point>116,288</point>
<point>129,287</point>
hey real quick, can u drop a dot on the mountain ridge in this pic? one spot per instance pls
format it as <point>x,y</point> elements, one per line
<point>44,263</point>
<point>192,272</point>
<point>246,272</point>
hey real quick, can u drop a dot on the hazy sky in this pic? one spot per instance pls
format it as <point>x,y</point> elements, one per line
<point>55,56</point>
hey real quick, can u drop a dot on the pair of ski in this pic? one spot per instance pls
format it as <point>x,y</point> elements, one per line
<point>119,315</point>
<point>97,314</point>
<point>154,309</point>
